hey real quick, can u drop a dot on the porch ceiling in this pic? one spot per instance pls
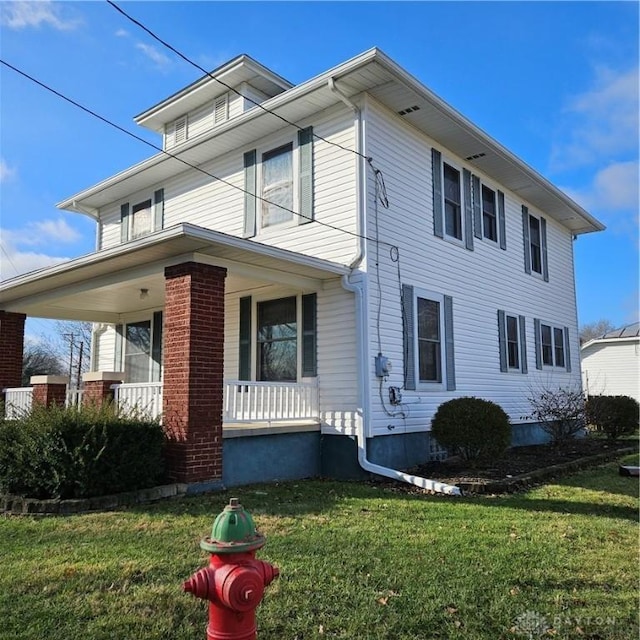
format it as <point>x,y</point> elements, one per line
<point>102,286</point>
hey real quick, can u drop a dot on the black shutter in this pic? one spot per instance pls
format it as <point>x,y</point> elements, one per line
<point>244,355</point>
<point>309,336</point>
<point>408,335</point>
<point>448,343</point>
<point>156,347</point>
<point>250,187</point>
<point>523,344</point>
<point>543,242</point>
<point>502,225</point>
<point>526,239</point>
<point>477,207</point>
<point>502,340</point>
<point>438,213</point>
<point>124,222</point>
<point>158,209</point>
<point>305,180</point>
<point>468,210</point>
<point>538,341</point>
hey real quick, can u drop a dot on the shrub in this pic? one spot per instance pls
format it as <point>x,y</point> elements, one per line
<point>614,416</point>
<point>472,427</point>
<point>55,452</point>
<point>560,412</point>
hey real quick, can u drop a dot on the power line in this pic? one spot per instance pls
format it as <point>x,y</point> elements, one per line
<point>175,157</point>
<point>224,84</point>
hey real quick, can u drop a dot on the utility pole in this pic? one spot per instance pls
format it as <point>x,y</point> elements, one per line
<point>71,338</point>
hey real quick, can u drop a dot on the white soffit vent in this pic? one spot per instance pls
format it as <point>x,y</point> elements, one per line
<point>403,112</point>
<point>221,109</point>
<point>180,130</point>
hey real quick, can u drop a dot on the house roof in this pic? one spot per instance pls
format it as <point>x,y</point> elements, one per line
<point>628,333</point>
<point>378,75</point>
<point>101,286</point>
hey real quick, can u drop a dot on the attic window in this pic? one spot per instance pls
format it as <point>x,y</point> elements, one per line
<point>221,109</point>
<point>180,130</point>
<point>404,112</point>
<point>475,156</point>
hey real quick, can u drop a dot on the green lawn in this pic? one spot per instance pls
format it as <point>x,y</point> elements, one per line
<point>356,561</point>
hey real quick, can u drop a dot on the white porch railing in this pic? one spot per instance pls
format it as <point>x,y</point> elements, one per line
<point>17,402</point>
<point>74,397</point>
<point>269,401</point>
<point>143,398</point>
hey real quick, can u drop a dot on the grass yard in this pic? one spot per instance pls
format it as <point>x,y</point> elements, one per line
<point>357,561</point>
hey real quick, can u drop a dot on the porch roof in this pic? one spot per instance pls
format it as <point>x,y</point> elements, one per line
<point>102,286</point>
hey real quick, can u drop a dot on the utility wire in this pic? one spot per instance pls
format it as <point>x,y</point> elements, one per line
<point>175,157</point>
<point>224,84</point>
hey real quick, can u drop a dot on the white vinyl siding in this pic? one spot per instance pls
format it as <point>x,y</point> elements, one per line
<point>194,197</point>
<point>612,368</point>
<point>479,282</point>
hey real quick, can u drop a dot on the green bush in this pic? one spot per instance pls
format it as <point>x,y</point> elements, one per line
<point>55,452</point>
<point>472,427</point>
<point>614,416</point>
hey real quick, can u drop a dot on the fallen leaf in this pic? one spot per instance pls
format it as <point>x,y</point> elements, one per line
<point>457,624</point>
<point>514,591</point>
<point>383,601</point>
<point>451,610</point>
<point>320,629</point>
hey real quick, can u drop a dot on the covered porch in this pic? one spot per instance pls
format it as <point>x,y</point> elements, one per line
<point>162,306</point>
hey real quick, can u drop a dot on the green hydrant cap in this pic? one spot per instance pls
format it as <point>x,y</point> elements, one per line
<point>233,531</point>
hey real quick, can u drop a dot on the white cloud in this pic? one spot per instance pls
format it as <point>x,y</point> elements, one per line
<point>14,262</point>
<point>6,172</point>
<point>42,232</point>
<point>121,33</point>
<point>601,123</point>
<point>156,56</point>
<point>613,189</point>
<point>23,14</point>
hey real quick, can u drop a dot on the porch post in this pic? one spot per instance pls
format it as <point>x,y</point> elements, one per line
<point>11,346</point>
<point>97,386</point>
<point>49,390</point>
<point>193,371</point>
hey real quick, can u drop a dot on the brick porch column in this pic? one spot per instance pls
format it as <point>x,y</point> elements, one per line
<point>193,370</point>
<point>97,386</point>
<point>11,346</point>
<point>48,390</point>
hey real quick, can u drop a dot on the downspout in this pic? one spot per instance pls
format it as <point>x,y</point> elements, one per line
<point>355,282</point>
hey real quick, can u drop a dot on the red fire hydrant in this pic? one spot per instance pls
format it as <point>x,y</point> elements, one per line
<point>235,580</point>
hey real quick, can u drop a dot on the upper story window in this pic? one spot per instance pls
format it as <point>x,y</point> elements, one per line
<point>142,218</point>
<point>489,214</point>
<point>428,339</point>
<point>552,346</point>
<point>278,185</point>
<point>452,202</point>
<point>534,231</point>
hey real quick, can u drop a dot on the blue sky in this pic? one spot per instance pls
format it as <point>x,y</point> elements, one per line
<point>555,82</point>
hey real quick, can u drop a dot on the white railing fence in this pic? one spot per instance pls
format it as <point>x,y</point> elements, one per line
<point>139,398</point>
<point>74,397</point>
<point>269,401</point>
<point>17,402</point>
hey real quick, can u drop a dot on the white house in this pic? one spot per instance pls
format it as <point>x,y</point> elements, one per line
<point>322,264</point>
<point>611,364</point>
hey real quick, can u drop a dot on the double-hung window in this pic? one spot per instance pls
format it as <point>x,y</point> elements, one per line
<point>428,339</point>
<point>489,214</point>
<point>534,231</point>
<point>512,342</point>
<point>142,217</point>
<point>552,346</point>
<point>452,202</point>
<point>278,185</point>
<point>139,349</point>
<point>277,339</point>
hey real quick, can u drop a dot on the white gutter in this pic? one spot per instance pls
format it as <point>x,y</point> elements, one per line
<point>355,283</point>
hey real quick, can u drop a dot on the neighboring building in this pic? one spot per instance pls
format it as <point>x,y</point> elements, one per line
<point>611,364</point>
<point>272,273</point>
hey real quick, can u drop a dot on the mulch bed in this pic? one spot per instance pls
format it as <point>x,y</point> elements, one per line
<point>523,466</point>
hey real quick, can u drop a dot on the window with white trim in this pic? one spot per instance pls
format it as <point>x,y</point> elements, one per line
<point>140,347</point>
<point>277,186</point>
<point>452,193</point>
<point>535,244</point>
<point>552,346</point>
<point>143,217</point>
<point>534,231</point>
<point>512,342</point>
<point>140,219</point>
<point>428,339</point>
<point>489,214</point>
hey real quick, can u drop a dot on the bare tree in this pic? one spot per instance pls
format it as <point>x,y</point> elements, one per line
<point>38,359</point>
<point>595,330</point>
